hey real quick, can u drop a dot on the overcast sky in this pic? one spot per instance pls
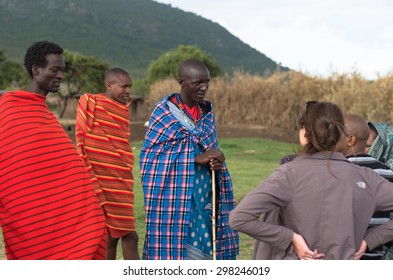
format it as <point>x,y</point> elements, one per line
<point>313,36</point>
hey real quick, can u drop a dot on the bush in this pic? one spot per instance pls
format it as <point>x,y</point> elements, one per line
<point>278,100</point>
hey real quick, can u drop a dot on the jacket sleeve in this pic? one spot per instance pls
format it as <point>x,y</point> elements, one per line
<point>272,193</point>
<point>384,202</point>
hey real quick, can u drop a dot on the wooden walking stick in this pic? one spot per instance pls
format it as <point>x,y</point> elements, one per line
<point>214,214</point>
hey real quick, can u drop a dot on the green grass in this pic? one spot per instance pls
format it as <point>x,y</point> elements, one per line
<point>249,161</point>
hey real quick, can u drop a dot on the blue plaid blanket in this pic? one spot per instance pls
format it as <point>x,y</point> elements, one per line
<point>167,171</point>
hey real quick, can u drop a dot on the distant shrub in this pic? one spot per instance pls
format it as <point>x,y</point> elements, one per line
<point>166,66</point>
<point>278,100</point>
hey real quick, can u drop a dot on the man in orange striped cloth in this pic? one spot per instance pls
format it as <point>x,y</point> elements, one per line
<point>102,135</point>
<point>49,208</point>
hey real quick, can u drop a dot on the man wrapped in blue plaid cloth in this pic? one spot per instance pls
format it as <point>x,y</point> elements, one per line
<point>179,153</point>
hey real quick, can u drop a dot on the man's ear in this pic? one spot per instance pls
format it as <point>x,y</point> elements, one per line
<point>180,81</point>
<point>351,140</point>
<point>35,69</point>
<point>108,85</point>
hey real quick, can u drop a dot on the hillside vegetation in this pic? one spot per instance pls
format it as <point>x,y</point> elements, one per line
<point>124,33</point>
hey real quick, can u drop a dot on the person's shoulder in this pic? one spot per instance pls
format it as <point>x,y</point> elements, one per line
<point>2,92</point>
<point>160,108</point>
<point>85,96</point>
<point>88,95</point>
<point>10,94</point>
<point>381,127</point>
<point>313,160</point>
<point>94,97</point>
<point>368,171</point>
<point>1,95</point>
<point>163,101</point>
<point>287,158</point>
<point>295,163</point>
<point>381,165</point>
<point>207,106</point>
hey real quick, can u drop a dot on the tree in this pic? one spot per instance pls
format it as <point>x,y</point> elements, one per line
<point>167,64</point>
<point>82,74</point>
<point>12,73</point>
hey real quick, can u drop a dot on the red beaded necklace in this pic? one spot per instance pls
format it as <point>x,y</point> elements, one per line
<point>193,113</point>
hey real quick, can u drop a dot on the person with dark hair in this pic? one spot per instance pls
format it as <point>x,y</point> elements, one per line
<point>178,156</point>
<point>102,136</point>
<point>36,55</point>
<point>326,202</point>
<point>357,135</point>
<point>49,207</point>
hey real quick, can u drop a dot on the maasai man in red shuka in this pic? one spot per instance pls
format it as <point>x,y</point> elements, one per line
<point>48,206</point>
<point>102,133</point>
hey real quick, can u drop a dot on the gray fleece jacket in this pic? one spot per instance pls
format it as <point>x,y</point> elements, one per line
<point>323,197</point>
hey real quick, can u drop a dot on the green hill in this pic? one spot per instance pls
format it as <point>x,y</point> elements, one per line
<point>124,33</point>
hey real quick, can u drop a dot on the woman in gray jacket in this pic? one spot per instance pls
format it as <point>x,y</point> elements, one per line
<point>325,201</point>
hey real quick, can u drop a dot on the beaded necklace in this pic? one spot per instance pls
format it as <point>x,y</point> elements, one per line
<point>183,107</point>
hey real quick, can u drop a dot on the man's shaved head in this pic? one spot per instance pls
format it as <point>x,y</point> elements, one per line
<point>356,125</point>
<point>357,134</point>
<point>191,65</point>
<point>113,75</point>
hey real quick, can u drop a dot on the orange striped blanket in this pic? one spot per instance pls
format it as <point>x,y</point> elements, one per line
<point>102,135</point>
<point>48,208</point>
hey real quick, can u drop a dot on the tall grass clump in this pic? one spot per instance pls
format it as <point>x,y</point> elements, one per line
<point>278,100</point>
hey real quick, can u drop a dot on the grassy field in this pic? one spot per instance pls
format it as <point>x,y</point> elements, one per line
<point>249,161</point>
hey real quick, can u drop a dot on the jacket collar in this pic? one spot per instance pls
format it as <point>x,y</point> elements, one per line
<point>326,156</point>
